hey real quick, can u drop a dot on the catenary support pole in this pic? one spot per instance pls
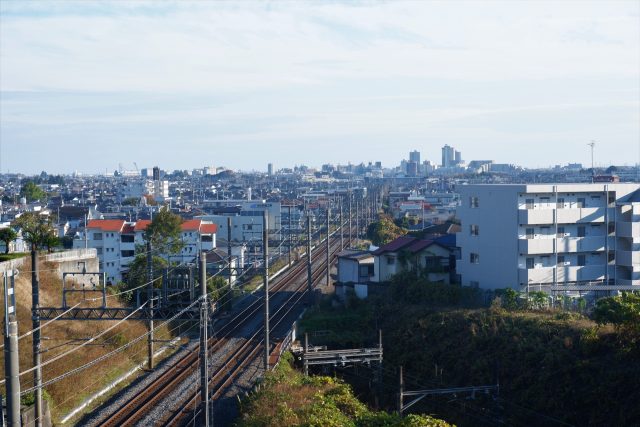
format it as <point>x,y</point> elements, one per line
<point>35,305</point>
<point>328,248</point>
<point>204,360</point>
<point>306,349</point>
<point>265,244</point>
<point>150,305</point>
<point>290,236</point>
<point>401,394</point>
<point>309,282</point>
<point>229,260</point>
<point>357,222</point>
<point>341,224</point>
<point>11,356</point>
<point>350,216</point>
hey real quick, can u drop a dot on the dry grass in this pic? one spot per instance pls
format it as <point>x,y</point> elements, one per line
<point>71,391</point>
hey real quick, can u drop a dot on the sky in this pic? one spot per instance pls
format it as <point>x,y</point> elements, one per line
<point>86,86</point>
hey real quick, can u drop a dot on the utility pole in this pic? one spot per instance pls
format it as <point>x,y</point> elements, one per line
<point>309,283</point>
<point>204,361</point>
<point>306,349</point>
<point>350,235</point>
<point>357,222</point>
<point>592,144</point>
<point>11,356</point>
<point>290,234</point>
<point>35,316</point>
<point>150,302</point>
<point>401,394</point>
<point>229,257</point>
<point>328,249</point>
<point>341,224</point>
<point>265,243</point>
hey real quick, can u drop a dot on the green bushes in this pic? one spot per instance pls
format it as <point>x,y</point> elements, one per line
<point>288,398</point>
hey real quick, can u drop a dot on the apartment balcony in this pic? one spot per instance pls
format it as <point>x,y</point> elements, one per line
<point>565,274</point>
<point>581,215</point>
<point>583,244</point>
<point>628,229</point>
<point>535,216</point>
<point>536,246</point>
<point>628,258</point>
<point>563,245</point>
<point>564,216</point>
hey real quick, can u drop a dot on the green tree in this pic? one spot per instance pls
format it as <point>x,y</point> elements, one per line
<point>164,232</point>
<point>623,311</point>
<point>384,231</point>
<point>32,192</point>
<point>138,275</point>
<point>37,229</point>
<point>510,299</point>
<point>7,235</point>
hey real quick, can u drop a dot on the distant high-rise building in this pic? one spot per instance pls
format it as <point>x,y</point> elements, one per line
<point>156,173</point>
<point>414,156</point>
<point>458,157</point>
<point>378,165</point>
<point>448,156</point>
<point>270,169</point>
<point>412,168</point>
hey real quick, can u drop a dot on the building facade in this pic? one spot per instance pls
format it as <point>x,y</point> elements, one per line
<point>115,243</point>
<point>564,237</point>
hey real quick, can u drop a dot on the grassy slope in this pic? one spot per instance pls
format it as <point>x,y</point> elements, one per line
<point>69,392</point>
<point>288,398</point>
<point>561,366</point>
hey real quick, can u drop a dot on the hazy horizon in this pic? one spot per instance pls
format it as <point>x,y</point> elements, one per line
<point>85,86</point>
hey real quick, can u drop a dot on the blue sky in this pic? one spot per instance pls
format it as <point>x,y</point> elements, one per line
<point>87,85</point>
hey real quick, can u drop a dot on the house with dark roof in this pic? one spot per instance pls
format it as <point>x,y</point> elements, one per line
<point>434,259</point>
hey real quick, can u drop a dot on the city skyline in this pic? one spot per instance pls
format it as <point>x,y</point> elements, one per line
<point>86,86</point>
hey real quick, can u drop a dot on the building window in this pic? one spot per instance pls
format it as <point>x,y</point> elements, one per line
<point>530,233</point>
<point>560,259</point>
<point>581,231</point>
<point>582,260</point>
<point>474,229</point>
<point>126,254</point>
<point>474,258</point>
<point>474,202</point>
<point>391,260</point>
<point>611,257</point>
<point>560,203</point>
<point>529,203</point>
<point>126,238</point>
<point>99,251</point>
<point>97,236</point>
<point>581,202</point>
<point>560,232</point>
<point>530,263</point>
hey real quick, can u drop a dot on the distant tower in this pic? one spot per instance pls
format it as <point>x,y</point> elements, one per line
<point>412,169</point>
<point>448,156</point>
<point>270,169</point>
<point>156,173</point>
<point>458,157</point>
<point>249,193</point>
<point>414,156</point>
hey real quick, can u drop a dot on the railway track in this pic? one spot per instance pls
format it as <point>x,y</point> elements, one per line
<point>233,361</point>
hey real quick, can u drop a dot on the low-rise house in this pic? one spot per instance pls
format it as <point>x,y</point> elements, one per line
<point>355,270</point>
<point>408,253</point>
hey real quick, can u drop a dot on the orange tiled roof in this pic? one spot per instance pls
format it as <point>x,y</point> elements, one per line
<point>142,224</point>
<point>209,228</point>
<point>106,224</point>
<point>192,224</point>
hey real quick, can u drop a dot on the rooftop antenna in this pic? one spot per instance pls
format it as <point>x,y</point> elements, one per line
<point>592,144</point>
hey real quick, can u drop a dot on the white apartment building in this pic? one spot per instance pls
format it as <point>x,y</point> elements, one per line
<point>115,242</point>
<point>563,237</point>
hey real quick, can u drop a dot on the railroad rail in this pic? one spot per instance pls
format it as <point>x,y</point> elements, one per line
<point>236,359</point>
